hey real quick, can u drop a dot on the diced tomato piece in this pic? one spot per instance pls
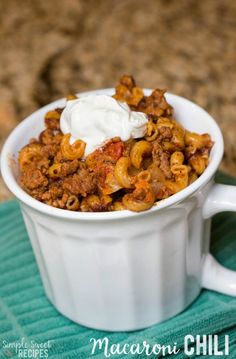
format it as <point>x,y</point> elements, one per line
<point>114,149</point>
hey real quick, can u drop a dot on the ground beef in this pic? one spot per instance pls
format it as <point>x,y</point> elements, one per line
<point>33,178</point>
<point>82,183</point>
<point>161,159</point>
<point>49,150</point>
<point>94,203</point>
<point>155,104</point>
<point>54,192</point>
<point>48,137</point>
<point>69,168</point>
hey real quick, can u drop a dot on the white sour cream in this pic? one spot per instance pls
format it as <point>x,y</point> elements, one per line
<point>98,118</point>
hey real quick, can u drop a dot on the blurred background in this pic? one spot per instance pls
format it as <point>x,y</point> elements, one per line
<point>51,48</point>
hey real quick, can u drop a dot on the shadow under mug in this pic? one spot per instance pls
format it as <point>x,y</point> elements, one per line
<point>121,271</point>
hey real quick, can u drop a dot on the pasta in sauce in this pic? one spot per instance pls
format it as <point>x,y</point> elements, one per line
<point>133,174</point>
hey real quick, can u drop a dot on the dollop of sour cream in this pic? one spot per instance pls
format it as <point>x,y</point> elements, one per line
<point>98,118</point>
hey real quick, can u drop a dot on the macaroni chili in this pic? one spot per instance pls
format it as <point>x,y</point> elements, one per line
<point>132,175</point>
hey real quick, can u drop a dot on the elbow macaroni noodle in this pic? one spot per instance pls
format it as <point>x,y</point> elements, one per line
<point>74,151</point>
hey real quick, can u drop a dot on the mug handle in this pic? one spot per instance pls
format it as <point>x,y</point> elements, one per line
<point>221,198</point>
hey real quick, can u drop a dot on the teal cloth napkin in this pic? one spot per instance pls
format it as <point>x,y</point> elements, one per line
<point>26,316</point>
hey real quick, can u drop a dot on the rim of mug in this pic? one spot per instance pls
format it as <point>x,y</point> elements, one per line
<point>21,195</point>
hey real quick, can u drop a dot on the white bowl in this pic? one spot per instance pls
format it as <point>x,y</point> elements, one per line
<point>124,270</point>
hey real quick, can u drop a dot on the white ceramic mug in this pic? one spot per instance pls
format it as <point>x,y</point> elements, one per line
<point>122,271</point>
